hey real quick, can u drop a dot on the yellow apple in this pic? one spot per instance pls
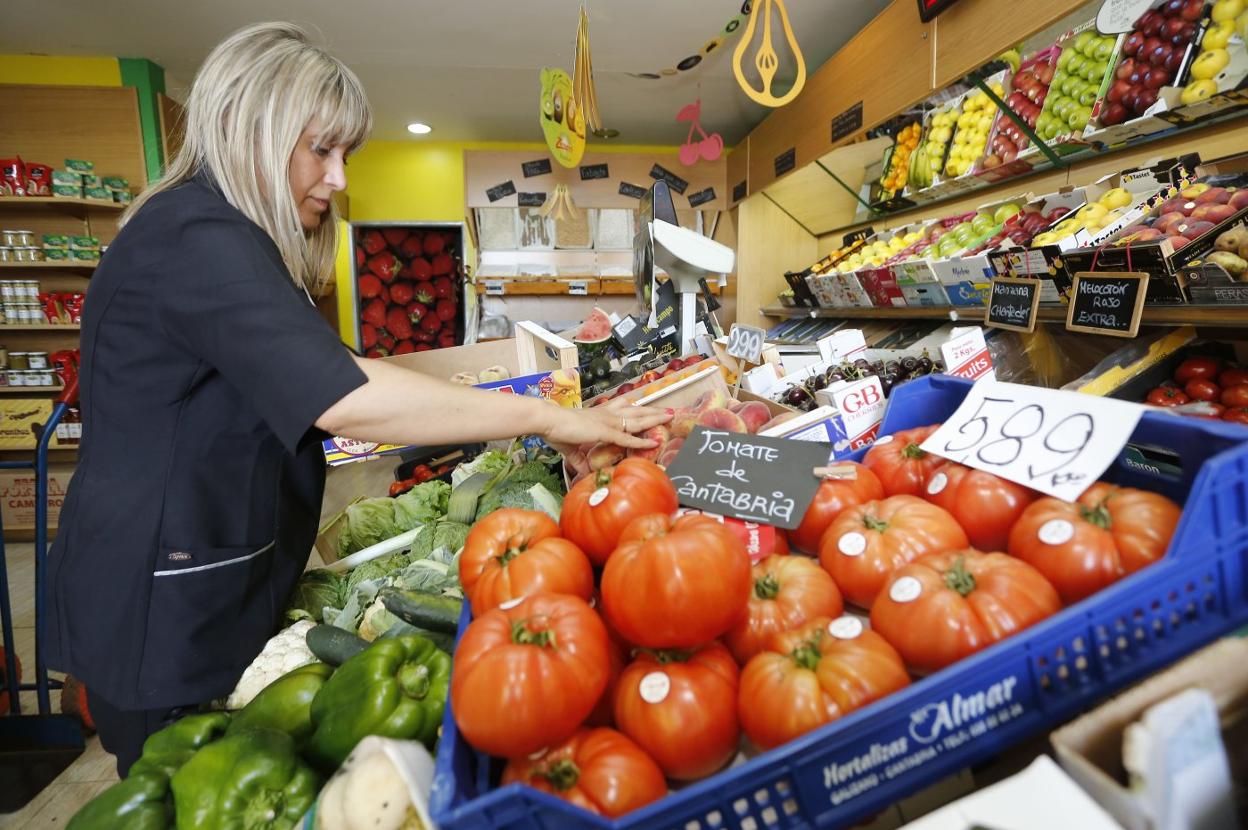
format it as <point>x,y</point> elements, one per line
<point>1194,190</point>
<point>1048,238</point>
<point>1241,26</point>
<point>1227,10</point>
<point>896,244</point>
<point>1198,91</point>
<point>1092,211</point>
<point>1210,63</point>
<point>1218,35</point>
<point>1116,197</point>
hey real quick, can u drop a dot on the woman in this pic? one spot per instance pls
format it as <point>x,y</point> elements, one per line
<point>208,381</point>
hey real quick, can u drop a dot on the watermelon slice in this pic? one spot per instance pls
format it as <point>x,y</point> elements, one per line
<point>595,329</point>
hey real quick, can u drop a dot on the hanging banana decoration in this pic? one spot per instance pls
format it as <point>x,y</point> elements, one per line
<point>583,78</point>
<point>560,204</point>
<point>765,60</point>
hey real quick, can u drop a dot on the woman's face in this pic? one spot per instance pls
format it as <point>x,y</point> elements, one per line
<point>317,172</point>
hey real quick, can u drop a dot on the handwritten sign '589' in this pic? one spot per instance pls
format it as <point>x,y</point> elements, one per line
<point>1059,443</point>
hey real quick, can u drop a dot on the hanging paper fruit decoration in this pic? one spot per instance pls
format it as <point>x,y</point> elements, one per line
<point>765,60</point>
<point>562,121</point>
<point>583,78</point>
<point>709,147</point>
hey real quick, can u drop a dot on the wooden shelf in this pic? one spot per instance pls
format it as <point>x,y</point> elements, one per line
<point>58,201</point>
<point>31,390</point>
<point>1179,315</point>
<point>547,286</point>
<point>50,266</point>
<point>54,453</point>
<point>45,327</point>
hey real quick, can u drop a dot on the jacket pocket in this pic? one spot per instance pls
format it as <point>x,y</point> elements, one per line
<point>210,613</point>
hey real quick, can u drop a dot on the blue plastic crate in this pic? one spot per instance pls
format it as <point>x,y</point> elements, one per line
<point>851,769</point>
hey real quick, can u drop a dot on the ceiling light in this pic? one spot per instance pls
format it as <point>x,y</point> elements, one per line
<point>417,128</point>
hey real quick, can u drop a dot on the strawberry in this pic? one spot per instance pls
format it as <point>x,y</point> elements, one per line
<point>415,311</point>
<point>405,273</point>
<point>423,347</point>
<point>423,294</point>
<point>376,353</point>
<point>374,313</point>
<point>401,293</point>
<point>404,347</point>
<point>413,245</point>
<point>394,236</point>
<point>359,257</point>
<point>431,323</point>
<point>445,310</point>
<point>443,264</point>
<point>384,295</point>
<point>434,242</point>
<point>421,269</point>
<point>386,341</point>
<point>369,286</point>
<point>385,265</point>
<point>443,288</point>
<point>398,324</point>
<point>422,336</point>
<point>368,335</point>
<point>446,340</point>
<point>372,242</point>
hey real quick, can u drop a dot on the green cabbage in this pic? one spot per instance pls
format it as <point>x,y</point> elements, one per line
<point>442,535</point>
<point>316,590</point>
<point>423,503</point>
<point>367,523</point>
<point>490,461</point>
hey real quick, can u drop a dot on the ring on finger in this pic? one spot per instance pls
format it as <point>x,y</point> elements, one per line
<point>624,424</point>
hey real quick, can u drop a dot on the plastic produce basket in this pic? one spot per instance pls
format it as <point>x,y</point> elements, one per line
<point>853,768</point>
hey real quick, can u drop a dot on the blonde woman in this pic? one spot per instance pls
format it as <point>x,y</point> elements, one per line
<point>208,380</point>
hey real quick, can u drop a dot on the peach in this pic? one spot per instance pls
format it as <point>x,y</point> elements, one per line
<point>684,419</point>
<point>1239,199</point>
<point>755,414</point>
<point>1177,242</point>
<point>735,405</point>
<point>1178,204</point>
<point>1215,212</point>
<point>602,456</point>
<point>1168,220</point>
<point>660,435</point>
<point>720,418</point>
<point>1214,195</point>
<point>1194,228</point>
<point>778,420</point>
<point>670,452</point>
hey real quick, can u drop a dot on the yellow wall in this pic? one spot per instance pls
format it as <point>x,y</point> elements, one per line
<point>60,70</point>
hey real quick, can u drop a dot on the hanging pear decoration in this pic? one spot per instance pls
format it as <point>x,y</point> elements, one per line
<point>765,60</point>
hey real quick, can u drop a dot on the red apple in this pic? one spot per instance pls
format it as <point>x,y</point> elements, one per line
<point>1174,61</point>
<point>1116,91</point>
<point>1239,199</point>
<point>1192,10</point>
<point>1144,100</point>
<point>1149,23</point>
<point>1213,213</point>
<point>1044,73</point>
<point>1167,221</point>
<point>1177,242</point>
<point>1214,195</point>
<point>1132,99</point>
<point>1150,44</point>
<point>1156,78</point>
<point>1172,26</point>
<point>1172,8</point>
<point>1136,78</point>
<point>1125,69</point>
<point>1161,54</point>
<point>1115,113</point>
<point>1057,213</point>
<point>1133,43</point>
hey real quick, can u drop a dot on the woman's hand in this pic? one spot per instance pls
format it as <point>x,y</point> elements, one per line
<point>612,423</point>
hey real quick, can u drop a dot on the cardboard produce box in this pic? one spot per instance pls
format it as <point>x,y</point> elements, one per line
<point>1090,748</point>
<point>17,496</point>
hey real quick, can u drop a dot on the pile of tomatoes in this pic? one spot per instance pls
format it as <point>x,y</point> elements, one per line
<point>1220,390</point>
<point>627,646</point>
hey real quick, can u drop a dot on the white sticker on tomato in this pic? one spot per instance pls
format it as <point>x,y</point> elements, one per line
<point>845,628</point>
<point>884,439</point>
<point>1056,532</point>
<point>938,483</point>
<point>535,755</point>
<point>906,589</point>
<point>655,687</point>
<point>852,544</point>
<point>510,604</point>
<point>598,496</point>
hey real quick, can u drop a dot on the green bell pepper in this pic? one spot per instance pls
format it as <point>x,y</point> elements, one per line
<point>140,802</point>
<point>395,688</point>
<point>285,704</point>
<point>167,750</point>
<point>252,780</point>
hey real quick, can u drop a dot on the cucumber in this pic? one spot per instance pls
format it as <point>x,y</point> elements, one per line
<point>431,612</point>
<point>334,645</point>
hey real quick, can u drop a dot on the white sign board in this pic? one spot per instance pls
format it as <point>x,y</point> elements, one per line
<point>1056,442</point>
<point>746,343</point>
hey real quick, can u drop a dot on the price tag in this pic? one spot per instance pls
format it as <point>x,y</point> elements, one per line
<point>1059,443</point>
<point>493,288</point>
<point>1012,304</point>
<point>1118,16</point>
<point>1107,303</point>
<point>746,343</point>
<point>578,288</point>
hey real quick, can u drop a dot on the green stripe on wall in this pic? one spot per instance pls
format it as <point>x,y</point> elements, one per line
<point>148,79</point>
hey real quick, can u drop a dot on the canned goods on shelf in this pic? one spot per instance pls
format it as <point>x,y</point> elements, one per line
<point>19,360</point>
<point>29,254</point>
<point>8,290</point>
<point>7,254</point>
<point>17,377</point>
<point>17,239</point>
<point>4,358</point>
<point>37,360</point>
<point>29,289</point>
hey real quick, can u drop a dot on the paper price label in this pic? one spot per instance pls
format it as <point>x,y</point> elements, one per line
<point>578,288</point>
<point>746,343</point>
<point>1059,443</point>
<point>1118,16</point>
<point>493,288</point>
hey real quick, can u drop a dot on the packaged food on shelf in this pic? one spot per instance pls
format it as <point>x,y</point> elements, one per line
<point>68,177</point>
<point>79,166</point>
<point>12,177</point>
<point>69,191</point>
<point>38,179</point>
<point>101,193</point>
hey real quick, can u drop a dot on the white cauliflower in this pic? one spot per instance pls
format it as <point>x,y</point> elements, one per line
<point>285,651</point>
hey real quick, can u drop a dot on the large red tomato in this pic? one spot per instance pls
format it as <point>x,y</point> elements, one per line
<point>675,583</point>
<point>812,675</point>
<point>941,608</point>
<point>1109,533</point>
<point>985,505</point>
<point>1194,368</point>
<point>833,496</point>
<point>681,708</point>
<point>902,466</point>
<point>527,676</point>
<point>1235,396</point>
<point>598,769</point>
<point>514,553</point>
<point>782,543</point>
<point>604,711</point>
<point>867,543</point>
<point>788,591</point>
<point>600,506</point>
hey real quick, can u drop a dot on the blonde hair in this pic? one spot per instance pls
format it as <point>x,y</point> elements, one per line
<point>255,94</point>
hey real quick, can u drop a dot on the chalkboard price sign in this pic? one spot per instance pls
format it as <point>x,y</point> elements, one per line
<point>539,167</point>
<point>660,173</point>
<point>1012,304</point>
<point>594,171</point>
<point>501,191</point>
<point>702,197</point>
<point>531,199</point>
<point>1105,302</point>
<point>738,191</point>
<point>847,123</point>
<point>766,480</point>
<point>632,191</point>
<point>786,161</point>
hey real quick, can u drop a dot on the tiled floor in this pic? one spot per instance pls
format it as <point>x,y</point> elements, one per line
<point>95,769</point>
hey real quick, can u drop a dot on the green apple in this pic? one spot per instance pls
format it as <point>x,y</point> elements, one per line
<point>982,223</point>
<point>1075,67</point>
<point>1088,97</point>
<point>1103,50</point>
<point>1082,40</point>
<point>1063,62</point>
<point>1005,212</point>
<point>1078,118</point>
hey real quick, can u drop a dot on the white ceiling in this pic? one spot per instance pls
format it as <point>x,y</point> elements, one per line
<point>467,67</point>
